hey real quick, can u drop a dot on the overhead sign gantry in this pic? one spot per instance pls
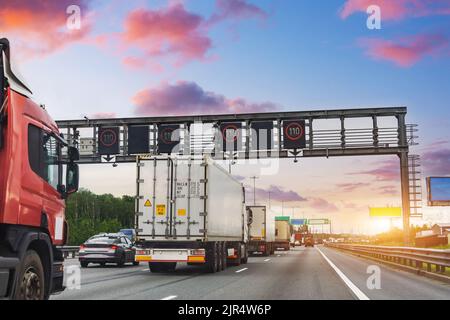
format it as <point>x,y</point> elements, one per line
<point>323,133</point>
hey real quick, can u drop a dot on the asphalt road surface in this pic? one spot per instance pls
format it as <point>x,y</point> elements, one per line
<point>302,273</point>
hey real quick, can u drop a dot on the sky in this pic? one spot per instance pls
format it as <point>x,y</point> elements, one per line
<point>104,59</point>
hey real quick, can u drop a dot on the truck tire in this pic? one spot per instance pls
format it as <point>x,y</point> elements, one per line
<point>244,259</point>
<point>219,256</point>
<point>212,259</point>
<point>224,256</point>
<point>266,252</point>
<point>30,278</point>
<point>84,264</point>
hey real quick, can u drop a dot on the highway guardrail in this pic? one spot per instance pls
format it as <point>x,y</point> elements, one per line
<point>427,261</point>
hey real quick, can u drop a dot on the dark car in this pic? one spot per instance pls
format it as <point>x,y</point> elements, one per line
<point>107,248</point>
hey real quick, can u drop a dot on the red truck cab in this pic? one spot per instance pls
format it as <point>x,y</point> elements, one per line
<point>33,159</point>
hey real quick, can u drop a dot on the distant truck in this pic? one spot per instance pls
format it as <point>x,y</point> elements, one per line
<point>282,233</point>
<point>189,210</point>
<point>297,238</point>
<point>261,231</point>
<point>309,241</point>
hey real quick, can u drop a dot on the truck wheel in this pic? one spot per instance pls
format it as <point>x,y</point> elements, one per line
<point>84,264</point>
<point>30,279</point>
<point>224,256</point>
<point>219,256</point>
<point>244,259</point>
<point>212,259</point>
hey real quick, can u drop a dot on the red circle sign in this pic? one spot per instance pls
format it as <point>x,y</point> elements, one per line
<point>296,135</point>
<point>163,133</point>
<point>233,127</point>
<point>108,137</point>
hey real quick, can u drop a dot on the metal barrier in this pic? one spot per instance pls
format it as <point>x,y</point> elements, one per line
<point>433,261</point>
<point>69,250</point>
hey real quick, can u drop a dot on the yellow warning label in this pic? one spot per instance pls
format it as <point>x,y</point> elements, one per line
<point>147,203</point>
<point>161,209</point>
<point>181,212</point>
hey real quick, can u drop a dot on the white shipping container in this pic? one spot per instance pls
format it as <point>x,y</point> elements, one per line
<point>185,199</point>
<point>263,224</point>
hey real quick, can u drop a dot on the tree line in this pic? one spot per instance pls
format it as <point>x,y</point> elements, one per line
<point>88,214</point>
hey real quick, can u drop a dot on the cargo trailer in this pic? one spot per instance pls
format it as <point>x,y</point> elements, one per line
<point>261,230</point>
<point>282,233</point>
<point>189,210</point>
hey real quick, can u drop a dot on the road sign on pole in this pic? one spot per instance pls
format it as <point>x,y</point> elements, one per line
<point>231,136</point>
<point>138,139</point>
<point>294,136</point>
<point>109,141</point>
<point>168,138</point>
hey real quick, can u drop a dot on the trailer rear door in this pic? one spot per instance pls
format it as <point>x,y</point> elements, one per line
<point>154,187</point>
<point>189,178</point>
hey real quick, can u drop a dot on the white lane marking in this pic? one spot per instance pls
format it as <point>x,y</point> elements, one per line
<point>278,255</point>
<point>241,270</point>
<point>169,298</point>
<point>146,269</point>
<point>358,293</point>
<point>266,260</point>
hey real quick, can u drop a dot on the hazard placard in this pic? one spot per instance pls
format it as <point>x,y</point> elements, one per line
<point>181,212</point>
<point>161,209</point>
<point>148,203</point>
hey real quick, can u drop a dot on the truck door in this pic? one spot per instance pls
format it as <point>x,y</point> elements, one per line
<point>154,197</point>
<point>189,178</point>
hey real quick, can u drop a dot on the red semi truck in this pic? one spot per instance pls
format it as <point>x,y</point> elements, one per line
<point>33,159</point>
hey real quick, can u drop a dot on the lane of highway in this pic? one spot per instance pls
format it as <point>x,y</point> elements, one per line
<point>302,273</point>
<point>394,284</point>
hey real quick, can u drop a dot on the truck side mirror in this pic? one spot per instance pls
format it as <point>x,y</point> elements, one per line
<point>72,178</point>
<point>74,154</point>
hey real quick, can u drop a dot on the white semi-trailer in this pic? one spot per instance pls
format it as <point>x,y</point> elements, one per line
<point>261,230</point>
<point>189,210</point>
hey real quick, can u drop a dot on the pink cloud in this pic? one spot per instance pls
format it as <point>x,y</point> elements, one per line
<point>388,171</point>
<point>437,162</point>
<point>38,28</point>
<point>167,31</point>
<point>349,187</point>
<point>275,193</point>
<point>406,51</point>
<point>398,9</point>
<point>388,190</point>
<point>184,98</point>
<point>103,115</point>
<point>322,205</point>
<point>236,9</point>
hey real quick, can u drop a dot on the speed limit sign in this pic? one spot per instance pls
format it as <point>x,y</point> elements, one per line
<point>294,136</point>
